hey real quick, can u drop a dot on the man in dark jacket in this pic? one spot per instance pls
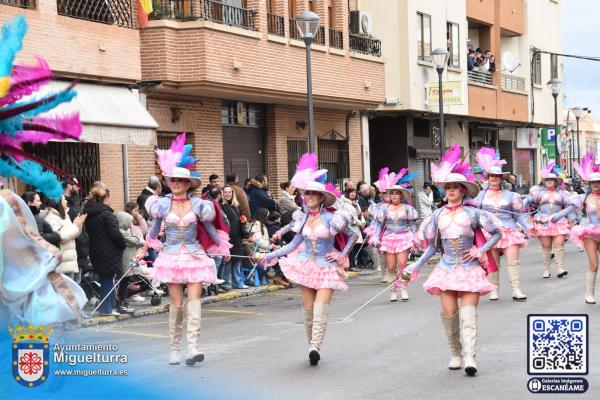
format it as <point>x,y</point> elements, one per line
<point>152,188</point>
<point>106,245</point>
<point>82,242</point>
<point>259,197</point>
<point>213,182</point>
<point>45,230</point>
<point>240,194</point>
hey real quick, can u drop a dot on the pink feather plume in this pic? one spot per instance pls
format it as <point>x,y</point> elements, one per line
<point>451,163</point>
<point>26,79</point>
<point>547,169</point>
<point>381,182</point>
<point>178,144</point>
<point>307,161</point>
<point>487,158</point>
<point>587,166</point>
<point>330,187</point>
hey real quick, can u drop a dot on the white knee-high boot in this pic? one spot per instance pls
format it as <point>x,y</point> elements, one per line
<point>320,316</point>
<point>547,262</point>
<point>494,279</point>
<point>194,355</point>
<point>559,253</point>
<point>175,331</point>
<point>452,328</point>
<point>308,322</point>
<point>468,319</point>
<point>515,281</point>
<point>590,286</point>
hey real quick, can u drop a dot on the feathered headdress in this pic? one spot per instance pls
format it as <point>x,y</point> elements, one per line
<point>178,155</point>
<point>19,114</point>
<point>489,161</point>
<point>306,171</point>
<point>587,166</point>
<point>552,171</point>
<point>387,179</point>
<point>451,163</point>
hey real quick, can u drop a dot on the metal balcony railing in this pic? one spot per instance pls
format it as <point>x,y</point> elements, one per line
<point>365,45</point>
<point>208,10</point>
<point>111,12</point>
<point>511,82</point>
<point>482,77</point>
<point>336,38</point>
<point>276,24</point>
<point>295,33</point>
<point>227,15</point>
<point>19,3</point>
<point>172,9</point>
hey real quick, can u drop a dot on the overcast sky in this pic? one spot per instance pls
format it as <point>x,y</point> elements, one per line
<point>581,36</point>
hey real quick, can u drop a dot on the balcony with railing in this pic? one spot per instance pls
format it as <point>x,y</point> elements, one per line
<point>208,10</point>
<point>365,45</point>
<point>511,82</point>
<point>19,3</point>
<point>295,33</point>
<point>480,77</point>
<point>115,12</point>
<point>276,24</point>
<point>336,39</point>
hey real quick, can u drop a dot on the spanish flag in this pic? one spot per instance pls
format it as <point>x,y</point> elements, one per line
<point>144,8</point>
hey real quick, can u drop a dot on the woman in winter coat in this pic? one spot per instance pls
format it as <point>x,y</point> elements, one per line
<point>56,215</point>
<point>287,203</point>
<point>230,207</point>
<point>45,230</point>
<point>106,244</point>
<point>134,242</point>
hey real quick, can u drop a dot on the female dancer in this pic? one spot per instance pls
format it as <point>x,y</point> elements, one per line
<point>395,229</point>
<point>551,225</point>
<point>588,236</point>
<point>455,229</point>
<point>183,261</point>
<point>319,268</point>
<point>508,207</point>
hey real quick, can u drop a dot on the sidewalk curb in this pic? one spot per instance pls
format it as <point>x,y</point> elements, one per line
<point>163,308</point>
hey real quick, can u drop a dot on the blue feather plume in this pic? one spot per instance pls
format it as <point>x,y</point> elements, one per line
<point>322,179</point>
<point>406,178</point>
<point>11,43</point>
<point>33,174</point>
<point>186,158</point>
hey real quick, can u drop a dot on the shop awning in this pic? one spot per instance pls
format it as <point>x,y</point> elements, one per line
<point>109,114</point>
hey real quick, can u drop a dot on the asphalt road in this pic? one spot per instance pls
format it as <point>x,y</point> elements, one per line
<point>256,347</point>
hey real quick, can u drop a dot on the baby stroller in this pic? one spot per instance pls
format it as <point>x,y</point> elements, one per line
<point>90,283</point>
<point>363,259</point>
<point>140,276</point>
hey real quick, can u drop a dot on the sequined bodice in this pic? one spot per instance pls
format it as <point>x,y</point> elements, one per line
<point>397,219</point>
<point>551,202</point>
<point>454,224</point>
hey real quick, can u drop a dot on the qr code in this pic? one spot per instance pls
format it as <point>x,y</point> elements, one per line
<point>557,344</point>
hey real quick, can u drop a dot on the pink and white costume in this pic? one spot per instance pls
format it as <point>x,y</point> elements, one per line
<point>397,228</point>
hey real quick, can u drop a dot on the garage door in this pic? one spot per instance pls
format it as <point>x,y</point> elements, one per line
<point>243,151</point>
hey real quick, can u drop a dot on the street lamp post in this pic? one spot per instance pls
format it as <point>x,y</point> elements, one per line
<point>554,85</point>
<point>308,23</point>
<point>440,59</point>
<point>578,111</point>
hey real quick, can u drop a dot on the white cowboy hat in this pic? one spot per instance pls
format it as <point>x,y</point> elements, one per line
<point>551,175</point>
<point>472,188</point>
<point>495,170</point>
<point>184,173</point>
<point>594,177</point>
<point>319,187</point>
<point>405,192</point>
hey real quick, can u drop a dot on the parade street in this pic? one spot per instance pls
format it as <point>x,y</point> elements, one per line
<point>256,347</point>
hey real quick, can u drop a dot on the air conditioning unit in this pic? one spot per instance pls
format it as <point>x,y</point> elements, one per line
<point>360,23</point>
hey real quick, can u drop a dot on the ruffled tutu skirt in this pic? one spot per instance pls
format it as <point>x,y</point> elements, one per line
<point>184,267</point>
<point>398,242</point>
<point>550,229</point>
<point>459,279</point>
<point>307,273</point>
<point>510,237</point>
<point>578,233</point>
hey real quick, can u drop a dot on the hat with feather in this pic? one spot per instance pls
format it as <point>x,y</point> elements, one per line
<point>588,170</point>
<point>310,179</point>
<point>490,162</point>
<point>176,161</point>
<point>389,181</point>
<point>453,169</point>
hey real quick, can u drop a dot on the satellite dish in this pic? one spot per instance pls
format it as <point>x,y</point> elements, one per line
<point>366,24</point>
<point>509,62</point>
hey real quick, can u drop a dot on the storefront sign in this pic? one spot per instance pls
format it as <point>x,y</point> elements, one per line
<point>453,93</point>
<point>527,138</point>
